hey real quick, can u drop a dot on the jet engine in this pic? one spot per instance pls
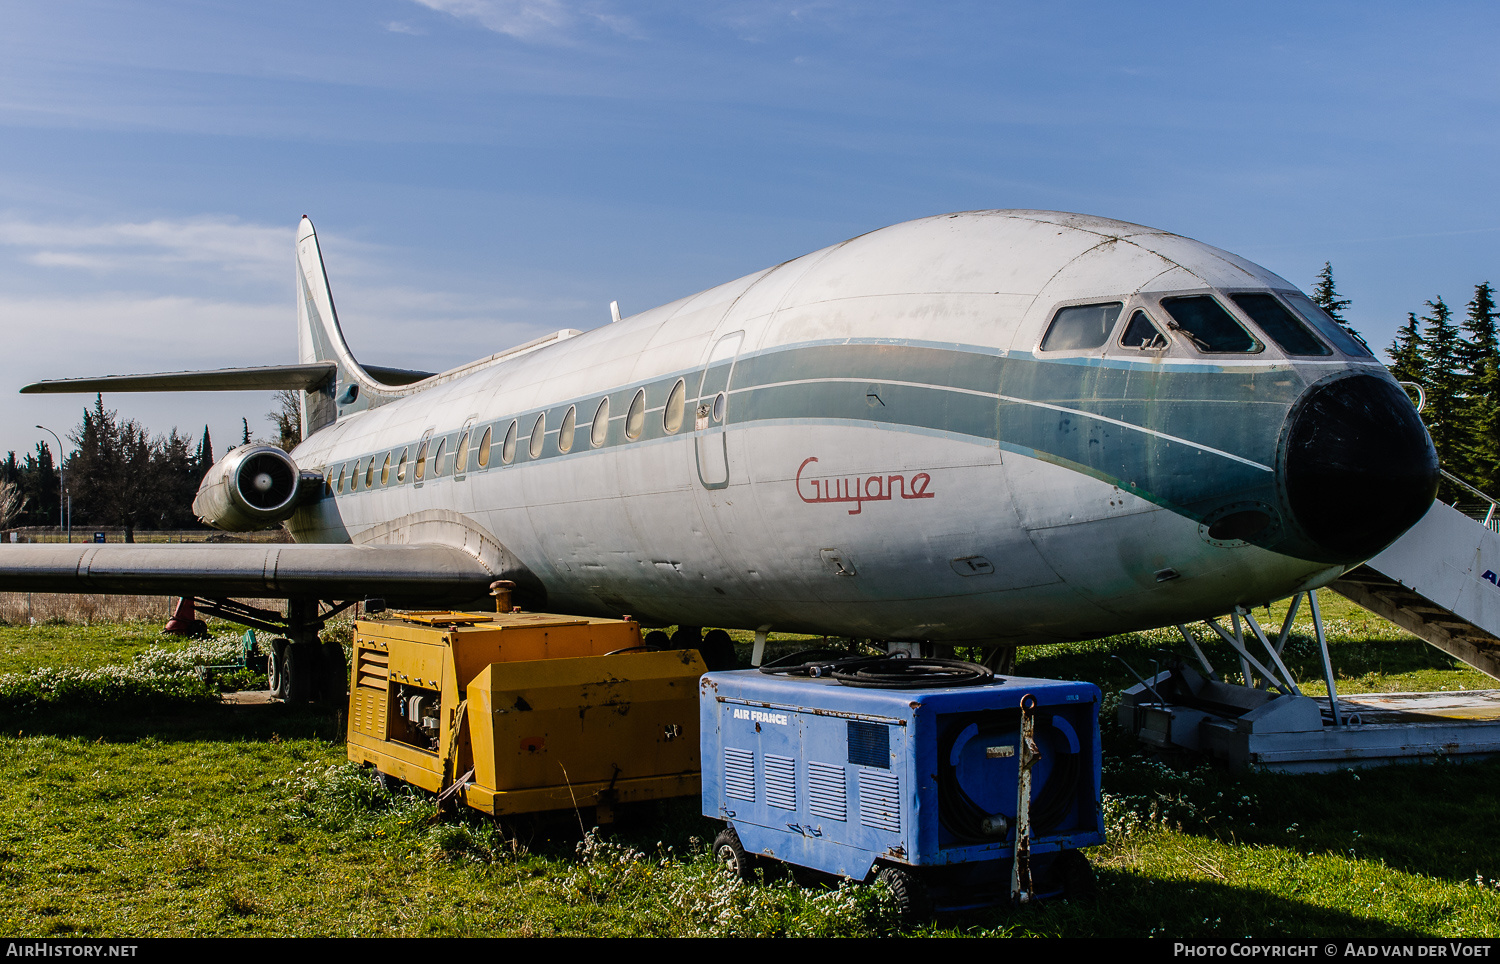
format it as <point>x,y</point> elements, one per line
<point>253,487</point>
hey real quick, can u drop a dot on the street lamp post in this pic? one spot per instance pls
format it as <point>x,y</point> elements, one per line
<point>62,500</point>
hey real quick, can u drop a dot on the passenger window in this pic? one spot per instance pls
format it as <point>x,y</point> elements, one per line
<point>342,469</point>
<point>1207,325</point>
<point>1142,334</point>
<point>370,473</point>
<point>484,447</point>
<point>461,456</point>
<point>569,425</point>
<point>1325,324</point>
<point>635,419</point>
<point>1080,327</point>
<point>508,448</point>
<point>1285,328</point>
<point>671,416</point>
<point>538,435</point>
<point>385,470</point>
<point>599,431</point>
<point>437,457</point>
<point>401,467</point>
<point>421,460</point>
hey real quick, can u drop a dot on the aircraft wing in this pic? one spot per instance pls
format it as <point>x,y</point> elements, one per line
<point>307,378</point>
<point>246,570</point>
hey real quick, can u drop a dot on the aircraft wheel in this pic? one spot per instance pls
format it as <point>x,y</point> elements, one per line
<point>276,668</point>
<point>656,640</point>
<point>731,853</point>
<point>299,668</point>
<point>913,903</point>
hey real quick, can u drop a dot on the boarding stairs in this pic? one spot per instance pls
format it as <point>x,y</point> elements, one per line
<point>1440,581</point>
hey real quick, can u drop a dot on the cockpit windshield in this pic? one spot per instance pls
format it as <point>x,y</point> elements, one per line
<point>1285,328</point>
<point>1326,326</point>
<point>1206,323</point>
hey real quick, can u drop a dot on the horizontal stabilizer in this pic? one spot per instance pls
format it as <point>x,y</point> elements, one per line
<point>263,571</point>
<point>307,377</point>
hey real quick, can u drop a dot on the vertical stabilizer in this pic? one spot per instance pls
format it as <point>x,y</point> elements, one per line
<point>319,338</point>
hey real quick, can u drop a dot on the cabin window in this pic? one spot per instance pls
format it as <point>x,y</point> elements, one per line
<point>437,457</point>
<point>1330,329</point>
<point>671,416</point>
<point>461,455</point>
<point>508,449</point>
<point>635,419</point>
<point>359,468</point>
<point>719,407</point>
<point>370,473</point>
<point>342,469</point>
<point>484,446</point>
<point>385,470</point>
<point>401,467</point>
<point>1205,323</point>
<point>538,435</point>
<point>1285,328</point>
<point>1081,327</point>
<point>599,431</point>
<point>569,426</point>
<point>1142,334</point>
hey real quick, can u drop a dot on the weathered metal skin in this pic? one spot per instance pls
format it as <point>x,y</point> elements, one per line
<point>871,441</point>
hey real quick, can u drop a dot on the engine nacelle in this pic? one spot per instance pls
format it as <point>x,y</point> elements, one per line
<point>253,487</point>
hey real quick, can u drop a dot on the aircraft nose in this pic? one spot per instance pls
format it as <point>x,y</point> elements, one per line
<point>1358,467</point>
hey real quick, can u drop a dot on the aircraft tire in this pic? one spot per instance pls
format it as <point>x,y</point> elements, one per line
<point>276,668</point>
<point>301,671</point>
<point>717,650</point>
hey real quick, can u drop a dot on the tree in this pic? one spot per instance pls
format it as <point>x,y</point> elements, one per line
<point>1326,296</point>
<point>1406,352</point>
<point>1443,413</point>
<point>287,418</point>
<point>114,476</point>
<point>203,459</point>
<point>11,502</point>
<point>1479,370</point>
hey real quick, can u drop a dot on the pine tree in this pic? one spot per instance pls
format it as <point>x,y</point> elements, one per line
<point>1479,368</point>
<point>1442,381</point>
<point>246,439</point>
<point>1406,352</point>
<point>1326,296</point>
<point>203,459</point>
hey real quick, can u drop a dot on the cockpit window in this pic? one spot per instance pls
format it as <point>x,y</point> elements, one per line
<point>1080,327</point>
<point>1142,334</point>
<point>1205,323</point>
<point>1326,326</point>
<point>1285,328</point>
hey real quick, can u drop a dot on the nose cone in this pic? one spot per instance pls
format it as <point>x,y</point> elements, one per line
<point>1358,467</point>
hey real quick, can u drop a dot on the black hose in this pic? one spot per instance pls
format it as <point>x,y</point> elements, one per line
<point>880,672</point>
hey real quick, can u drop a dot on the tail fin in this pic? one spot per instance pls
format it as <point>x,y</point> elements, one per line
<point>319,339</point>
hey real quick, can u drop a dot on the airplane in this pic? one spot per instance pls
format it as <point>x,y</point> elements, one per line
<point>990,428</point>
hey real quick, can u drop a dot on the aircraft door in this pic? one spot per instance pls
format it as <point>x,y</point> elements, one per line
<point>712,412</point>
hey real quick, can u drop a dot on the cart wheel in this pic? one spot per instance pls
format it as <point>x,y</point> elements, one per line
<point>731,853</point>
<point>913,903</point>
<point>1077,875</point>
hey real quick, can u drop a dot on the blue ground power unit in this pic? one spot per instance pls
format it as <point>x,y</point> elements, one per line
<point>917,785</point>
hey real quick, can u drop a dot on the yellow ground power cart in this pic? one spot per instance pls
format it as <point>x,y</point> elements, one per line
<point>523,712</point>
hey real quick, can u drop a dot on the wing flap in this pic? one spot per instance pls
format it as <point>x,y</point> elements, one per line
<point>278,571</point>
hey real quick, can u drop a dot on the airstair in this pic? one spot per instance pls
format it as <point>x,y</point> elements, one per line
<point>1440,582</point>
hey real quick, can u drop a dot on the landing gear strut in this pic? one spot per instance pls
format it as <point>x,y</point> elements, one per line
<point>301,667</point>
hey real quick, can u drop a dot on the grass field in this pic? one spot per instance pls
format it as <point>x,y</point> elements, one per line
<point>138,804</point>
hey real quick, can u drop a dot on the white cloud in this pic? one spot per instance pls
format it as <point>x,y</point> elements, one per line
<point>229,245</point>
<point>532,20</point>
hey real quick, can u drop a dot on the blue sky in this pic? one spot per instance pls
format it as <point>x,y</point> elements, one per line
<point>481,172</point>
